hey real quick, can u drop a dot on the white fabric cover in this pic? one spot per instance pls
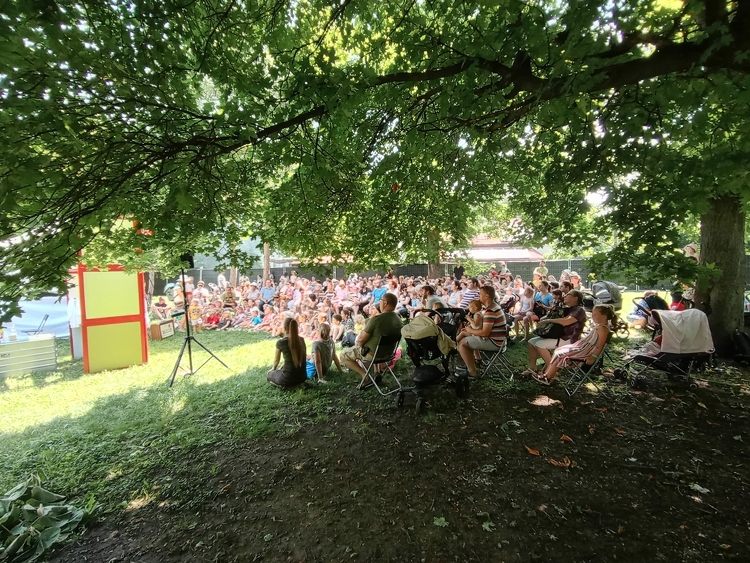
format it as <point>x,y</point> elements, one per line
<point>685,332</point>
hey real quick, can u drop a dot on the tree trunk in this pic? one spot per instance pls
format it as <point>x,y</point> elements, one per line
<point>723,246</point>
<point>149,288</point>
<point>266,262</point>
<point>233,276</point>
<point>434,269</point>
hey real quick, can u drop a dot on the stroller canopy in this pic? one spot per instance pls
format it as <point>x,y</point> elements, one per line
<point>607,293</point>
<point>423,326</point>
<point>685,332</point>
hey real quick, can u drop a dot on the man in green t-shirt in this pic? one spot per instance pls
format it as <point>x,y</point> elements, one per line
<point>542,270</point>
<point>387,323</point>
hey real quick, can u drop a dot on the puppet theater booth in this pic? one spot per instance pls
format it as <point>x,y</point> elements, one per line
<point>112,332</point>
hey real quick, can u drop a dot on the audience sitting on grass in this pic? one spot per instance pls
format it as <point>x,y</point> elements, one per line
<point>293,349</point>
<point>323,354</point>
<point>345,308</point>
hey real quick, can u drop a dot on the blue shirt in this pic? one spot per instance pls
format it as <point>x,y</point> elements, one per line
<point>267,293</point>
<point>545,299</point>
<point>377,294</point>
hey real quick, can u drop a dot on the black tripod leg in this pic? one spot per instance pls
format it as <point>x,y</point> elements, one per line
<point>214,356</point>
<point>178,362</point>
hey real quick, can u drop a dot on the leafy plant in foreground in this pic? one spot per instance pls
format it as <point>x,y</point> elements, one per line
<point>32,519</point>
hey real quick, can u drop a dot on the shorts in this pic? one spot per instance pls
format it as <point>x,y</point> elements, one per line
<point>355,354</point>
<point>196,322</point>
<point>481,343</point>
<point>547,343</point>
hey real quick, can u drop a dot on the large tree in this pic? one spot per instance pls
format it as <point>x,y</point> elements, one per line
<point>208,120</point>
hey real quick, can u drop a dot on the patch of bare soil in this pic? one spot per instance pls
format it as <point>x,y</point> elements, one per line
<point>520,475</point>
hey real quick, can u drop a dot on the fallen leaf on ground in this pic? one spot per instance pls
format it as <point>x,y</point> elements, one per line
<point>591,430</point>
<point>565,462</point>
<point>620,529</point>
<point>566,438</point>
<point>620,432</point>
<point>702,406</point>
<point>725,546</point>
<point>544,401</point>
<point>602,409</point>
<point>532,451</point>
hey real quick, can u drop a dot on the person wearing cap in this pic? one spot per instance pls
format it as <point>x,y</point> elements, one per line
<point>572,323</point>
<point>575,280</point>
<point>541,269</point>
<point>201,291</point>
<point>252,292</point>
<point>691,251</point>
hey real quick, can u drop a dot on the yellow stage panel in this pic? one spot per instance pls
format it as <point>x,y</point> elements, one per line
<point>114,346</point>
<point>110,294</point>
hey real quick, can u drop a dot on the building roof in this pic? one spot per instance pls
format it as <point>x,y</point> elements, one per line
<point>486,249</point>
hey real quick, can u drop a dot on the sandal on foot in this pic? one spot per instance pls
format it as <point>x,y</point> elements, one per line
<point>529,373</point>
<point>542,379</point>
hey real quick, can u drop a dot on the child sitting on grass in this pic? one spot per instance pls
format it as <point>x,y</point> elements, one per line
<point>337,328</point>
<point>212,319</point>
<point>225,322</point>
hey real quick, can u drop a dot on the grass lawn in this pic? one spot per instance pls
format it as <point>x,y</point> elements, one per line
<point>101,434</point>
<point>224,467</point>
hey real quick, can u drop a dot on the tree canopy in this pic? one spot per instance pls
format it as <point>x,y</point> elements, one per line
<point>359,128</point>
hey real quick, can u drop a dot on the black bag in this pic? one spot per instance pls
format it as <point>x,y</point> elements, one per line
<point>549,330</point>
<point>349,340</point>
<point>539,311</point>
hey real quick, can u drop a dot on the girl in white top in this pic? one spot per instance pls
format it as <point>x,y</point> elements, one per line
<point>526,309</point>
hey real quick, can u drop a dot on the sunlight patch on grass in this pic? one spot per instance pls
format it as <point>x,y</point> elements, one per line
<point>138,503</point>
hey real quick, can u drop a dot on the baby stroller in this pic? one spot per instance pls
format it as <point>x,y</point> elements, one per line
<point>508,304</point>
<point>429,348</point>
<point>607,293</point>
<point>653,303</point>
<point>449,319</point>
<point>683,346</point>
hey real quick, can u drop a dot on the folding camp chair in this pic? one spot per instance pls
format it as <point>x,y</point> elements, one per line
<point>385,353</point>
<point>39,329</point>
<point>497,362</point>
<point>581,373</point>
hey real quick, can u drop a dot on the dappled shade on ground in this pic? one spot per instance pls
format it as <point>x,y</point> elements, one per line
<point>227,469</point>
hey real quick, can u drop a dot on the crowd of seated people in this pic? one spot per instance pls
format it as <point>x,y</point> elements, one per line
<point>343,313</point>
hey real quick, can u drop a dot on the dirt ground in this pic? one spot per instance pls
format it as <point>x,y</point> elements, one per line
<point>661,474</point>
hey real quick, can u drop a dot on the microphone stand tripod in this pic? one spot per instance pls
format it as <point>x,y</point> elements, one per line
<point>187,343</point>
